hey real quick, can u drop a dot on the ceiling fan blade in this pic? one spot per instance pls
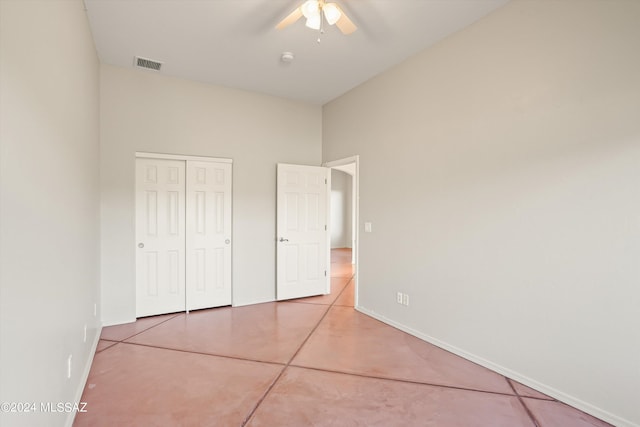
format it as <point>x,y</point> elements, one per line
<point>344,23</point>
<point>293,17</point>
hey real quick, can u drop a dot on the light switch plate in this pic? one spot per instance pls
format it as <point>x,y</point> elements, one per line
<point>367,227</point>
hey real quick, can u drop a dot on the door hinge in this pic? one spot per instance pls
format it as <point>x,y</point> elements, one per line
<point>325,228</point>
<point>325,180</point>
<point>325,273</point>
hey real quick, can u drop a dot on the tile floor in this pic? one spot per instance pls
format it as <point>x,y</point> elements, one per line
<point>308,362</point>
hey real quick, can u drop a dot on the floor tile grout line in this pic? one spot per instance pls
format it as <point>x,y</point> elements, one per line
<point>522,402</point>
<point>244,359</point>
<point>571,407</point>
<point>311,303</point>
<point>550,399</point>
<point>399,380</point>
<point>381,378</point>
<point>289,363</point>
<point>266,393</point>
<point>341,292</point>
<point>345,286</point>
<point>299,300</point>
<point>279,373</point>
<point>547,398</point>
<point>124,340</point>
<point>264,396</point>
<point>146,329</point>
<point>112,343</point>
<point>284,367</point>
<point>447,351</point>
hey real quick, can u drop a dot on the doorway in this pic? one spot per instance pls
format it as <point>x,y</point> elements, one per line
<point>344,213</point>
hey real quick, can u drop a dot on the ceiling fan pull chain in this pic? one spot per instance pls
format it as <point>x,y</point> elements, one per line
<point>321,24</point>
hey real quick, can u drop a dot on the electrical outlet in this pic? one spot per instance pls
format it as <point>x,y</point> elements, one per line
<point>399,297</point>
<point>69,366</point>
<point>405,300</point>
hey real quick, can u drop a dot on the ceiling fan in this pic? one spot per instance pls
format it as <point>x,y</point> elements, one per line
<point>318,11</point>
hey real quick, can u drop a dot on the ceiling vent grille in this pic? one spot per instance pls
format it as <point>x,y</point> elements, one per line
<point>149,64</point>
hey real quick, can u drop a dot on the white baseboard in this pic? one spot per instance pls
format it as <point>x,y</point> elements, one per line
<point>85,375</point>
<point>246,303</point>
<point>550,391</point>
<point>117,322</point>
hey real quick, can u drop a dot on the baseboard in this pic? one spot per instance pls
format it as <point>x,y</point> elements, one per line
<point>117,322</point>
<point>71,416</point>
<point>246,303</point>
<point>549,391</point>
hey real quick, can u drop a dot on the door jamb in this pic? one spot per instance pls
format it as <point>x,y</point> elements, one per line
<point>356,199</point>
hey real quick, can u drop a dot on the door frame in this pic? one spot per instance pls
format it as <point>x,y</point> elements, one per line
<point>356,201</point>
<point>185,158</point>
<point>147,155</point>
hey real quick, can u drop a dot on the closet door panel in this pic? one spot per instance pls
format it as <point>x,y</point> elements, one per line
<point>160,236</point>
<point>208,226</point>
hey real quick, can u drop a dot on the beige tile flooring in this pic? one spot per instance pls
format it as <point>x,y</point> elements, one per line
<point>308,362</point>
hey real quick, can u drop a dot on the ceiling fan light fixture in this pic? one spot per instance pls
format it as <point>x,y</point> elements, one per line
<point>317,13</point>
<point>310,8</point>
<point>313,22</point>
<point>331,12</point>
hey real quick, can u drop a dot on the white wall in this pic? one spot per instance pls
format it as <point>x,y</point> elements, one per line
<point>49,204</point>
<point>501,170</point>
<point>146,111</point>
<point>341,207</point>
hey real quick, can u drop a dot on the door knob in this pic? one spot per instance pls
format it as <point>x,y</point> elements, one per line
<point>282,239</point>
<point>141,245</point>
<point>227,241</point>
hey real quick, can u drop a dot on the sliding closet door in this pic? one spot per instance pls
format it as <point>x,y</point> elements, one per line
<point>208,226</point>
<point>160,236</point>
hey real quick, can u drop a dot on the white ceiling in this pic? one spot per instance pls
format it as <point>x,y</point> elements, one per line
<point>234,43</point>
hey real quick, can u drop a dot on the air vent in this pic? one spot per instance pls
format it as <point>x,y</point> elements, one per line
<point>149,64</point>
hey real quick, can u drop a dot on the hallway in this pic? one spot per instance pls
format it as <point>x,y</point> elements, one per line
<point>313,361</point>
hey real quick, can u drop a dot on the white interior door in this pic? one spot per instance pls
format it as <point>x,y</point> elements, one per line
<point>160,236</point>
<point>208,235</point>
<point>303,240</point>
